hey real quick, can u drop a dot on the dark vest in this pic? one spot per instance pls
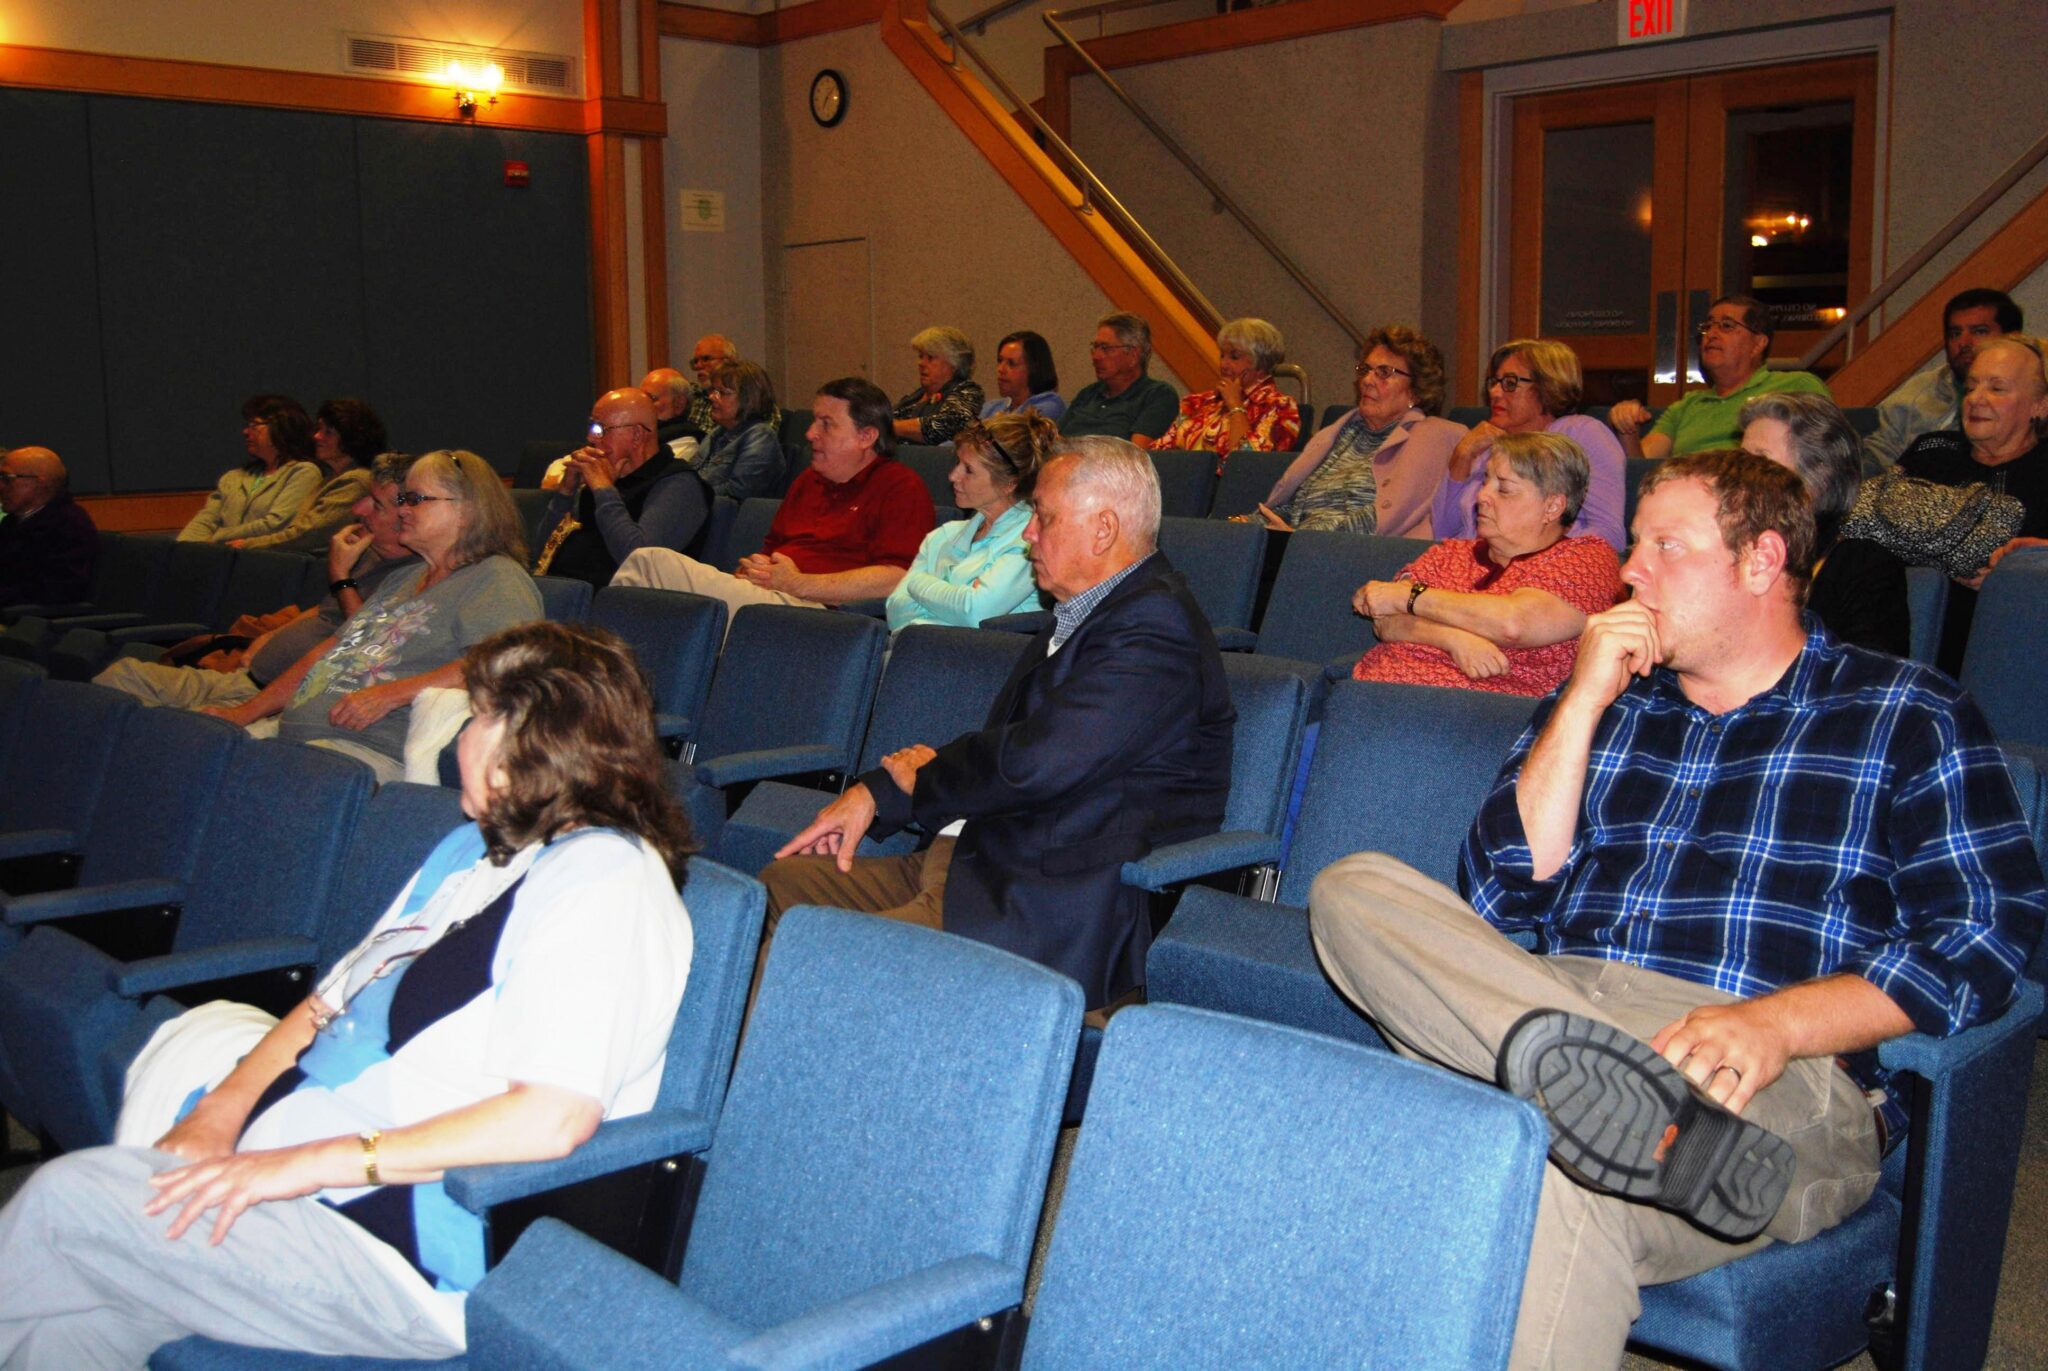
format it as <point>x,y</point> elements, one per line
<point>583,554</point>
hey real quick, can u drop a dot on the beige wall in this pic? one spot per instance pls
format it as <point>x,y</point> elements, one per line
<point>714,279</point>
<point>291,36</point>
<point>1348,162</point>
<point>949,241</point>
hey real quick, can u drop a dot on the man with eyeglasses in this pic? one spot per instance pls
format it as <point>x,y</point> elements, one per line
<point>620,492</point>
<point>48,545</point>
<point>1123,402</point>
<point>1734,341</point>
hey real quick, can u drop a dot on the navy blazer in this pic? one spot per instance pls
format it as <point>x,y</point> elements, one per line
<point>1116,743</point>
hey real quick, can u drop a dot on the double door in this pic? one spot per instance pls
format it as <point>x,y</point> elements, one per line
<point>1633,207</point>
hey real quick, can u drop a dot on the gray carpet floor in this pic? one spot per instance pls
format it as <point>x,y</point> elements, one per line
<point>2019,1337</point>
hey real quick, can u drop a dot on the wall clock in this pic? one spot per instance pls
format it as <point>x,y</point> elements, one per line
<point>828,98</point>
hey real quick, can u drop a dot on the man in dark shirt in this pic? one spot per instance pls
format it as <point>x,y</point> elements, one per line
<point>1748,855</point>
<point>620,493</point>
<point>48,545</point>
<point>1123,401</point>
<point>847,530</point>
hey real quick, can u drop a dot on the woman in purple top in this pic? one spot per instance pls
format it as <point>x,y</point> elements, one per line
<point>1533,385</point>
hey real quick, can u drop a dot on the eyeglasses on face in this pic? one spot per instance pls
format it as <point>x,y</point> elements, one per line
<point>17,476</point>
<point>412,499</point>
<point>1509,383</point>
<point>1382,373</point>
<point>1110,347</point>
<point>1723,326</point>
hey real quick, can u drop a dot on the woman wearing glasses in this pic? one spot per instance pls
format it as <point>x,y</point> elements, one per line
<point>263,494</point>
<point>1533,386</point>
<point>354,691</point>
<point>741,457</point>
<point>519,991</point>
<point>1376,469</point>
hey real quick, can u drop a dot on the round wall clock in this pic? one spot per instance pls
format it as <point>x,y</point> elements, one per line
<point>828,98</point>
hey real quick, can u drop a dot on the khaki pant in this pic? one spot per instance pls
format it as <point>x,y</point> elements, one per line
<point>1445,987</point>
<point>177,687</point>
<point>910,888</point>
<point>664,570</point>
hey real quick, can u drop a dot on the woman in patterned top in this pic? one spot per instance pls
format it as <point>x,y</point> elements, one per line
<point>1246,410</point>
<point>946,399</point>
<point>1501,612</point>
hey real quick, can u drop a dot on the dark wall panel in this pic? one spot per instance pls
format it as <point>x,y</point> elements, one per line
<point>477,293</point>
<point>229,264</point>
<point>52,387</point>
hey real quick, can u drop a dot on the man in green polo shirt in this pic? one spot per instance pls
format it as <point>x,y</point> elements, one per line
<point>1123,402</point>
<point>1734,341</point>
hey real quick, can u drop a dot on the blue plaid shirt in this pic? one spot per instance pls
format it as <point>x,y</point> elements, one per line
<point>1857,816</point>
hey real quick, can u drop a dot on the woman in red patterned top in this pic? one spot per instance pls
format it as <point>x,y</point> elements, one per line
<point>1246,409</point>
<point>1502,611</point>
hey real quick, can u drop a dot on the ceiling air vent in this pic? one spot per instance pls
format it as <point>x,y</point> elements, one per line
<point>410,59</point>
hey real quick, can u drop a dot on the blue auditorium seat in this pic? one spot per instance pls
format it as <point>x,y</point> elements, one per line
<point>675,638</point>
<point>1220,562</point>
<point>1308,616</point>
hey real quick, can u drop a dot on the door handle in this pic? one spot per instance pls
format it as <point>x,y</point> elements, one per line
<point>1664,372</point>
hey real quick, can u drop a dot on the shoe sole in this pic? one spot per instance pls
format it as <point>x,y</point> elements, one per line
<point>1625,1122</point>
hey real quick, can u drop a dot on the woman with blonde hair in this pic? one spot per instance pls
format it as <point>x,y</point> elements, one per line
<point>947,398</point>
<point>1246,410</point>
<point>978,567</point>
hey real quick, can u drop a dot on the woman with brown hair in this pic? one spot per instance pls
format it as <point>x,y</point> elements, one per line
<point>978,567</point>
<point>741,457</point>
<point>518,992</point>
<point>353,692</point>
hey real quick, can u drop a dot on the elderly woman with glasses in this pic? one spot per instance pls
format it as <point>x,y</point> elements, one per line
<point>1533,386</point>
<point>265,493</point>
<point>947,397</point>
<point>353,692</point>
<point>1376,469</point>
<point>1246,410</point>
<point>519,991</point>
<point>1502,611</point>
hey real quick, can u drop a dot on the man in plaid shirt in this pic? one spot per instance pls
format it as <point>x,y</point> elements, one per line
<point>1746,854</point>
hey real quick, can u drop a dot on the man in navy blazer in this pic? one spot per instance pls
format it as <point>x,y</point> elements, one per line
<point>1112,736</point>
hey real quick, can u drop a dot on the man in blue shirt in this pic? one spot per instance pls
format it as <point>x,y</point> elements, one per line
<point>1747,855</point>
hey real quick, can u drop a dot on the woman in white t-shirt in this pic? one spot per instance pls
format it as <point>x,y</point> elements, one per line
<point>519,991</point>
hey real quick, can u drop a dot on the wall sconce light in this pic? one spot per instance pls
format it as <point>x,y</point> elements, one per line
<point>474,86</point>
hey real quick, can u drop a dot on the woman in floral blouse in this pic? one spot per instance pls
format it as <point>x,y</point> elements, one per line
<point>947,399</point>
<point>1246,410</point>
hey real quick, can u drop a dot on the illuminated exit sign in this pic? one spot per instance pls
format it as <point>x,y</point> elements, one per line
<point>1649,21</point>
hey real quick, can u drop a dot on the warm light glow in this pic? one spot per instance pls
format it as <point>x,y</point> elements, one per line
<point>493,75</point>
<point>474,87</point>
<point>1834,314</point>
<point>1642,211</point>
<point>1757,240</point>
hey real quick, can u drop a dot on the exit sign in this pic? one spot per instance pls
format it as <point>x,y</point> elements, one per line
<point>1649,21</point>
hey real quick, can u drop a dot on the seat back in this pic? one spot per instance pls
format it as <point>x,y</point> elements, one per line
<point>129,571</point>
<point>313,579</point>
<point>939,683</point>
<point>749,531</point>
<point>674,637</point>
<point>398,826</point>
<point>1308,616</point>
<point>52,775</point>
<point>1927,610</point>
<point>1435,752</point>
<point>1332,413</point>
<point>1272,698</point>
<point>18,682</point>
<point>796,445</point>
<point>1632,482</point>
<point>894,1106</point>
<point>532,504</point>
<point>1187,482</point>
<point>1251,1195</point>
<point>933,465</point>
<point>791,676</point>
<point>260,582</point>
<point>281,824</point>
<point>189,591</point>
<point>726,912</point>
<point>1220,562</point>
<point>563,599</point>
<point>162,791</point>
<point>537,456</point>
<point>2006,663</point>
<point>1247,479</point>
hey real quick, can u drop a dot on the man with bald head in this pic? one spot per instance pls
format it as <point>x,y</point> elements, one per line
<point>672,393</point>
<point>621,492</point>
<point>48,545</point>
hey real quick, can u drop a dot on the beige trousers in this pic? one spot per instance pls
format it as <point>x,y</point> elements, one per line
<point>176,687</point>
<point>665,570</point>
<point>1445,987</point>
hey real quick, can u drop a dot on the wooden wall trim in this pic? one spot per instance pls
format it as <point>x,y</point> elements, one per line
<point>163,512</point>
<point>654,249</point>
<point>221,84</point>
<point>1471,248</point>
<point>708,25</point>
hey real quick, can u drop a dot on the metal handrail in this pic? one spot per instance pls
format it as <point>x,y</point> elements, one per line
<point>979,20</point>
<point>1964,217</point>
<point>1093,191</point>
<point>1220,196</point>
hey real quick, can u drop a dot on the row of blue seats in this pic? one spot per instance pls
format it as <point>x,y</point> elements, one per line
<point>882,1062</point>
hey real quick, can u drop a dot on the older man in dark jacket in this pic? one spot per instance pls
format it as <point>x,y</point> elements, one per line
<point>1112,736</point>
<point>48,546</point>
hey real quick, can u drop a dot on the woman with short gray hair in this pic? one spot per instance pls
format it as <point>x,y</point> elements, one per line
<point>947,397</point>
<point>1246,410</point>
<point>1503,611</point>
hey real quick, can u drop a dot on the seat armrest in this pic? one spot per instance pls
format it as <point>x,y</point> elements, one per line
<point>100,623</point>
<point>871,609</point>
<point>871,1325</point>
<point>158,633</point>
<point>768,763</point>
<point>14,613</point>
<point>1933,1058</point>
<point>1179,863</point>
<point>1236,639</point>
<point>1030,621</point>
<point>152,975</point>
<point>674,725</point>
<point>617,1145</point>
<point>37,842</point>
<point>91,899</point>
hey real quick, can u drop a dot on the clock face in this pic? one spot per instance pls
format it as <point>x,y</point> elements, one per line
<point>828,97</point>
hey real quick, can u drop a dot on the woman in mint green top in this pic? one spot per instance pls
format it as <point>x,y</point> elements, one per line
<point>977,568</point>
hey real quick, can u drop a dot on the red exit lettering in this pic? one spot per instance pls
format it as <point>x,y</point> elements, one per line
<point>1649,18</point>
